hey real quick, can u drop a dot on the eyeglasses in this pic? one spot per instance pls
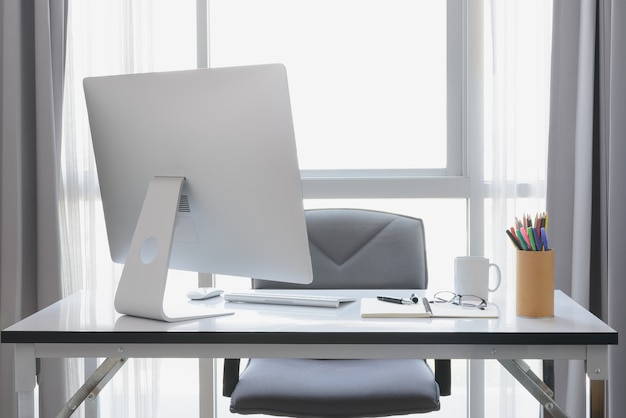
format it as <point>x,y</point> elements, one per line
<point>469,301</point>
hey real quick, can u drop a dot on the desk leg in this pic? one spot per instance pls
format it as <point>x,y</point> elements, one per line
<point>535,386</point>
<point>598,373</point>
<point>26,405</point>
<point>207,387</point>
<point>25,375</point>
<point>90,365</point>
<point>548,378</point>
<point>476,390</point>
<point>92,387</point>
<point>597,398</point>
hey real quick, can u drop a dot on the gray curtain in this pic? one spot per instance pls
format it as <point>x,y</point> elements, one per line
<point>614,154</point>
<point>586,194</point>
<point>33,58</point>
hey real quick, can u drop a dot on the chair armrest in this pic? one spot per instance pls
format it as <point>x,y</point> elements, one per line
<point>443,376</point>
<point>231,376</point>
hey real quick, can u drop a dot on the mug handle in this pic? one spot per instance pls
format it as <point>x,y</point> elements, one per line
<point>499,275</point>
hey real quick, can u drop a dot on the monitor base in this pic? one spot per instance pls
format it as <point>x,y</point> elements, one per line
<point>141,289</point>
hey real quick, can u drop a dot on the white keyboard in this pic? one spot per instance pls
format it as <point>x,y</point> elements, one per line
<point>288,299</point>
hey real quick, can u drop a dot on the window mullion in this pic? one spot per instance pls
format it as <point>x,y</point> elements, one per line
<point>202,33</point>
<point>455,150</point>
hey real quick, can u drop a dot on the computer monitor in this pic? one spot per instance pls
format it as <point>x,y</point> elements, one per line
<point>198,171</point>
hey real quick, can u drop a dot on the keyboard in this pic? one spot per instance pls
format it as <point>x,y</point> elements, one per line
<point>288,299</point>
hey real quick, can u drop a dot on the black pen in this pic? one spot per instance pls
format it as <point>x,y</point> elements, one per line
<point>394,300</point>
<point>427,306</point>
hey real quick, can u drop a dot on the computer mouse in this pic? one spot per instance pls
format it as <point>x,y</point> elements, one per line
<point>201,293</point>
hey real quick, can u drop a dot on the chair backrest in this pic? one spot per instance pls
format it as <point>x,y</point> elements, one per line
<point>355,248</point>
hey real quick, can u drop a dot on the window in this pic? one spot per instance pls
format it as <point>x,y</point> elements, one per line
<point>391,106</point>
<point>368,78</point>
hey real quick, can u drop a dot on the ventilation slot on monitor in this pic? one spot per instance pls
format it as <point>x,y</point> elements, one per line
<point>183,204</point>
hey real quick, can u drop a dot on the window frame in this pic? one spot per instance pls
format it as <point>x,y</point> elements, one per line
<point>450,181</point>
<point>463,176</point>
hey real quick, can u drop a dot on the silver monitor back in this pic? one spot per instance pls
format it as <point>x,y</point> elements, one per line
<point>229,133</point>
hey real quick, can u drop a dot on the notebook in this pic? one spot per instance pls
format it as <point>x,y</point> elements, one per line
<point>374,308</point>
<point>288,299</point>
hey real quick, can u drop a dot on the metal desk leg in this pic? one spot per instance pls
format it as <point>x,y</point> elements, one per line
<point>597,404</point>
<point>535,386</point>
<point>91,405</point>
<point>598,372</point>
<point>207,384</point>
<point>25,375</point>
<point>25,405</point>
<point>92,387</point>
<point>548,378</point>
<point>476,390</point>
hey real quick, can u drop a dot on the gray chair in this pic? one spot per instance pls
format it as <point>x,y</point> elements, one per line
<point>350,248</point>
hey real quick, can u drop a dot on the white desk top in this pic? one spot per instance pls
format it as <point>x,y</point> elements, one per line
<point>89,318</point>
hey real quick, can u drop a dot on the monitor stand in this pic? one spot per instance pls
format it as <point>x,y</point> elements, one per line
<point>141,289</point>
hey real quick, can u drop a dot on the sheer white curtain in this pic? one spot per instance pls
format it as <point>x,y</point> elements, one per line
<point>112,37</point>
<point>517,90</point>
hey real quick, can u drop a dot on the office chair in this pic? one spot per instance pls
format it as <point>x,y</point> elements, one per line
<point>350,248</point>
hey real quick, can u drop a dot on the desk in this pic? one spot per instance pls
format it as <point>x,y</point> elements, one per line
<point>86,325</point>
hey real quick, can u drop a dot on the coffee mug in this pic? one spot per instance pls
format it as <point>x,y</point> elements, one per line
<point>471,276</point>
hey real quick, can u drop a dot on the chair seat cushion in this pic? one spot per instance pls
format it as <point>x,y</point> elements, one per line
<point>335,388</point>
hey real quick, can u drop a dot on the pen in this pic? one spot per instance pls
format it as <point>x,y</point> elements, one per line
<point>521,239</point>
<point>526,239</point>
<point>544,238</point>
<point>514,240</point>
<point>531,237</point>
<point>528,235</point>
<point>427,306</point>
<point>394,300</point>
<point>538,243</point>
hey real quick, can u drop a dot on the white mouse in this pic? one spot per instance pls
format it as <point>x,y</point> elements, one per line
<point>201,293</point>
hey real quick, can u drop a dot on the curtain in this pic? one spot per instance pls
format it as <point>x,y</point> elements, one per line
<point>517,78</point>
<point>586,195</point>
<point>569,171</point>
<point>33,57</point>
<point>106,38</point>
<point>613,16</point>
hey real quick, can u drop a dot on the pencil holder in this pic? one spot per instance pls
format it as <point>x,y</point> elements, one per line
<point>535,284</point>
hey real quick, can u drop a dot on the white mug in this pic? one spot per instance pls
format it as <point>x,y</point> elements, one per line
<point>471,276</point>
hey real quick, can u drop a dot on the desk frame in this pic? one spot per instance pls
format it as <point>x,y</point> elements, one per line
<point>507,346</point>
